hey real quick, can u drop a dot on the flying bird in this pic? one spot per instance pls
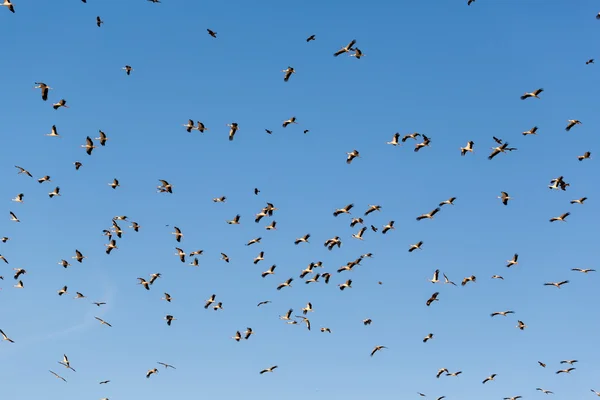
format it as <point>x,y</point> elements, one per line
<point>532,94</point>
<point>345,49</point>
<point>571,124</point>
<point>288,73</point>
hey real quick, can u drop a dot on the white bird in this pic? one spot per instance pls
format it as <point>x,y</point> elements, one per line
<point>13,217</point>
<point>345,49</point>
<point>394,141</point>
<point>53,132</point>
<point>467,149</point>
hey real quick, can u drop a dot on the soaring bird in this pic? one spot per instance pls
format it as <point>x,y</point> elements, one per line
<point>345,49</point>
<point>428,337</point>
<point>6,338</point>
<point>289,121</point>
<point>270,369</point>
<point>288,73</point>
<point>372,208</point>
<point>128,69</point>
<point>585,271</point>
<point>571,124</point>
<point>556,284</point>
<point>99,22</point>
<point>395,138</point>
<point>303,239</point>
<point>23,171</point>
<point>532,94</point>
<point>489,378</point>
<point>425,143</point>
<point>467,149</point>
<point>513,261</point>
<point>61,103</point>
<point>44,88</point>
<point>376,349</point>
<point>416,246</point>
<point>544,391</point>
<point>58,376</point>
<point>53,132</point>
<point>503,148</point>
<point>503,313</point>
<point>212,33</point>
<point>351,156</point>
<point>414,136</point>
<point>434,297</point>
<point>311,37</point>
<point>233,128</point>
<point>429,215</point>
<point>585,156</point>
<point>532,131</point>
<point>150,372</point>
<point>344,210</point>
<point>102,322</point>
<point>579,201</point>
<point>561,218</point>
<point>565,371</point>
<point>89,145</point>
<point>357,53</point>
<point>285,284</point>
<point>504,197</point>
<point>450,201</point>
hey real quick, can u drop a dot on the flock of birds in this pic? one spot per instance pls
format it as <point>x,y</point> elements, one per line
<point>314,272</point>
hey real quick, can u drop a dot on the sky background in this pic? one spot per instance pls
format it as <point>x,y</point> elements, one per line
<point>452,72</point>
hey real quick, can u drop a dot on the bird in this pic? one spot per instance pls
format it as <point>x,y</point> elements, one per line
<point>311,37</point>
<point>88,146</point>
<point>357,53</point>
<point>561,218</point>
<point>53,132</point>
<point>128,69</point>
<point>513,261</point>
<point>416,246</point>
<point>235,220</point>
<point>9,5</point>
<point>489,378</point>
<point>165,186</point>
<point>360,233</point>
<point>104,382</point>
<point>260,257</point>
<point>388,227</point>
<point>425,143</point>
<point>468,279</point>
<point>579,201</point>
<point>376,349</point>
<point>325,330</point>
<point>428,337</point>
<point>167,366</point>
<point>570,362</point>
<point>45,178</point>
<point>544,391</point>
<point>351,156</point>
<point>453,373</point>
<point>13,217</point>
<point>345,49</point>
<point>303,239</point>
<point>55,192</point>
<point>212,33</point>
<point>65,362</point>
<point>19,198</point>
<point>233,129</point>
<point>189,126</point>
<point>571,124</point>
<point>590,61</point>
<point>532,94</point>
<point>99,22</point>
<point>102,138</point>
<point>61,103</point>
<point>503,148</point>
<point>414,136</point>
<point>78,256</point>
<point>169,319</point>
<point>150,372</point>
<point>44,88</point>
<point>344,210</point>
<point>556,284</point>
<point>585,271</point>
<point>394,141</point>
<point>595,392</point>
<point>565,371</point>
<point>372,208</point>
<point>521,325</point>
<point>469,2</point>
<point>440,372</point>
<point>114,184</point>
<point>347,284</point>
<point>58,376</point>
<point>467,149</point>
<point>429,215</point>
<point>289,121</point>
<point>435,276</point>
<point>450,201</point>
<point>200,127</point>
<point>434,297</point>
<point>288,73</point>
<point>102,322</point>
<point>504,197</point>
<point>503,313</point>
<point>270,369</point>
<point>177,233</point>
<point>249,332</point>
<point>532,131</point>
<point>585,155</point>
<point>285,284</point>
<point>307,309</point>
<point>62,291</point>
<point>23,171</point>
<point>6,338</point>
<point>77,165</point>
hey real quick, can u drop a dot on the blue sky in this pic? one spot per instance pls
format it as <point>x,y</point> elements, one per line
<point>452,72</point>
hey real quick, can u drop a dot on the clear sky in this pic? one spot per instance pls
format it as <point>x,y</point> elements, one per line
<point>441,68</point>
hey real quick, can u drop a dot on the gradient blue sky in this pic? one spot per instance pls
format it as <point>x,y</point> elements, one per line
<point>452,72</point>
